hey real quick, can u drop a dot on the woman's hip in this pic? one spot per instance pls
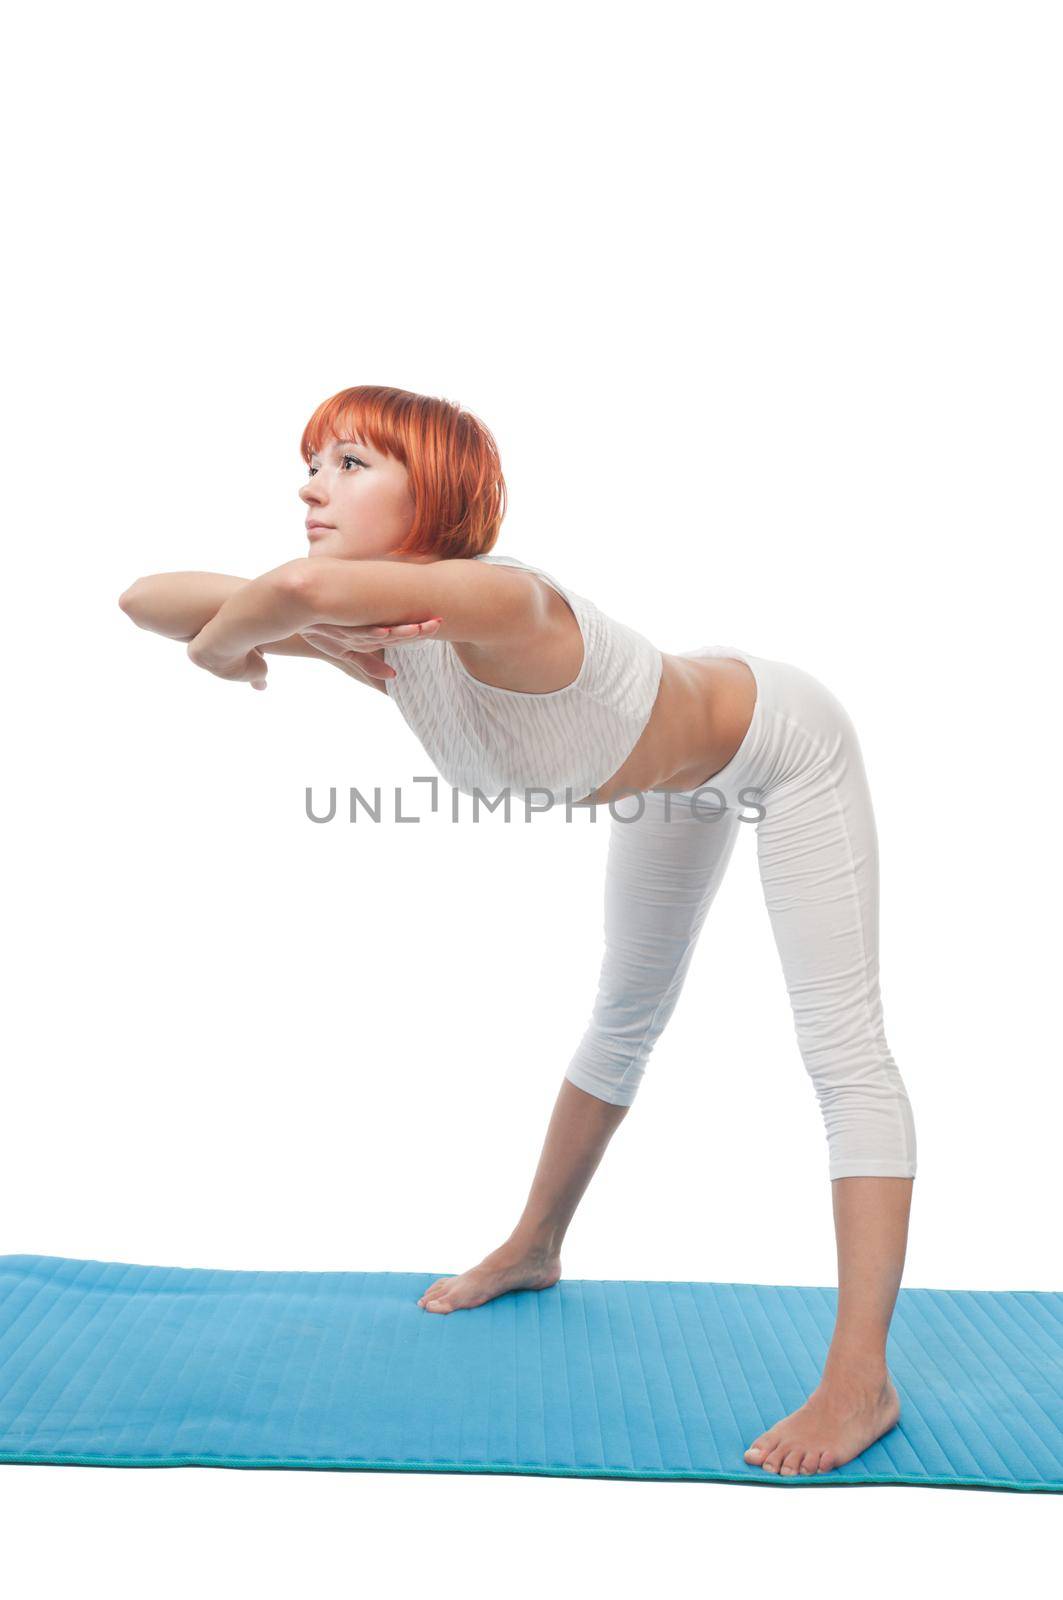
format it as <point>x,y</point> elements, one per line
<point>799,728</point>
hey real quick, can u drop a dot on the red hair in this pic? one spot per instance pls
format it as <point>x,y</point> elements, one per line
<point>453,462</point>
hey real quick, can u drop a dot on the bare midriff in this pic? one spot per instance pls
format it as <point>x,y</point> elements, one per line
<point>703,708</point>
<point>701,715</point>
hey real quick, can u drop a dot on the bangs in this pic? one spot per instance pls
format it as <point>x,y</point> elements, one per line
<point>350,415</point>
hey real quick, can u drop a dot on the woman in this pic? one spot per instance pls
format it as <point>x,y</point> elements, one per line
<point>511,680</point>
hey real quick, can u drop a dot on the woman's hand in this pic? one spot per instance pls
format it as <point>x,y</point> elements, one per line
<point>361,645</point>
<point>250,668</point>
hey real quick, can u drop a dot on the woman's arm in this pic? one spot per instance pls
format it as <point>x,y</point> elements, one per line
<point>178,605</point>
<point>478,604</point>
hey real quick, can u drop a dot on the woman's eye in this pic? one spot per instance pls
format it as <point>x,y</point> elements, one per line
<point>360,463</point>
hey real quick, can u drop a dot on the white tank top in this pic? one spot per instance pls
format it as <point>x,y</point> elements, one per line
<point>569,739</point>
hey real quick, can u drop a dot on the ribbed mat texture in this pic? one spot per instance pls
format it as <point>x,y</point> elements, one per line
<point>109,1364</point>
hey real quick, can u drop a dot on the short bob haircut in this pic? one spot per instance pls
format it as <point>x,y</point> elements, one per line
<point>455,472</point>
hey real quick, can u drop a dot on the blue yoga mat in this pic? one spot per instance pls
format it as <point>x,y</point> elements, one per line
<point>103,1363</point>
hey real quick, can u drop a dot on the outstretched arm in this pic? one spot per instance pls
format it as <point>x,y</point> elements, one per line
<point>178,605</point>
<point>479,604</point>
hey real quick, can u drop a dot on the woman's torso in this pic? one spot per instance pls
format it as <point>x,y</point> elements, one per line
<point>699,719</point>
<point>678,719</point>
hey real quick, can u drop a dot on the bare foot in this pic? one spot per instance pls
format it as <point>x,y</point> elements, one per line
<point>839,1419</point>
<point>509,1267</point>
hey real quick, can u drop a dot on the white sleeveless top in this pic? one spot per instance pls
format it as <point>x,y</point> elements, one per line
<point>569,739</point>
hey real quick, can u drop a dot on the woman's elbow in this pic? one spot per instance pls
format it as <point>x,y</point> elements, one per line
<point>298,583</point>
<point>128,600</point>
<point>143,604</point>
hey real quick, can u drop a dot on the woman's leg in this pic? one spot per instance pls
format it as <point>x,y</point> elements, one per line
<point>580,1129</point>
<point>818,854</point>
<point>662,873</point>
<point>664,865</point>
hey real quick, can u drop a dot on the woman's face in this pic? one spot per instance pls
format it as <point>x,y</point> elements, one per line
<point>362,496</point>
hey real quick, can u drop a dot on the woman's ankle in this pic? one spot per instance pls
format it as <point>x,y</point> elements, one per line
<point>543,1241</point>
<point>863,1366</point>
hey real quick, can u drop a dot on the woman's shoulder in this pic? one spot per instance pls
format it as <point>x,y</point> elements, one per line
<point>504,559</point>
<point>501,556</point>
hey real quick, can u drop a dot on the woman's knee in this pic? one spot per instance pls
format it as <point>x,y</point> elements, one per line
<point>604,1080</point>
<point>870,1127</point>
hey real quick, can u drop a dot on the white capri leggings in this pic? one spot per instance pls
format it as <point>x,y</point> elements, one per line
<point>800,772</point>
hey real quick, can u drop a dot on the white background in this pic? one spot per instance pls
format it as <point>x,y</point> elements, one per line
<point>761,304</point>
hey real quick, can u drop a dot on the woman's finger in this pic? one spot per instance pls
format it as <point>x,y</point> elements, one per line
<point>374,634</point>
<point>379,669</point>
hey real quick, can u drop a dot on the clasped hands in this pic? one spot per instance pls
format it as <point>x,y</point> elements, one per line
<point>359,646</point>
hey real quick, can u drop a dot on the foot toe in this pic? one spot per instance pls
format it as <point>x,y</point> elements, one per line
<point>791,1461</point>
<point>810,1464</point>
